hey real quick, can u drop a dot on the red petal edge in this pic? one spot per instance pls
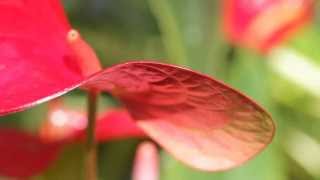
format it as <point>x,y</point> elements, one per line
<point>24,155</point>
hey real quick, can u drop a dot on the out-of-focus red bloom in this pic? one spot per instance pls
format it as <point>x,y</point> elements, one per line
<point>199,120</point>
<point>23,154</point>
<point>146,163</point>
<point>262,24</point>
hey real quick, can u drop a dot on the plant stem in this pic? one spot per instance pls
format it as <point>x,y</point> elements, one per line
<point>171,32</point>
<point>230,56</point>
<point>91,147</point>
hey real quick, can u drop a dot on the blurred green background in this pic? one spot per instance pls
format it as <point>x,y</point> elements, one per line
<point>188,33</point>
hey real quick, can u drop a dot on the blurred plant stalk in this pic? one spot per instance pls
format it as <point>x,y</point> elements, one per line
<point>91,145</point>
<point>171,32</point>
<point>89,64</point>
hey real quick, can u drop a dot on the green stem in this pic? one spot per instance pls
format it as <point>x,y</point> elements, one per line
<point>171,34</point>
<point>91,146</point>
<point>230,55</point>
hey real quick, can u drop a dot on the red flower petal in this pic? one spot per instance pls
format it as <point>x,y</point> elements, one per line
<point>24,155</point>
<point>117,124</point>
<point>202,122</point>
<point>146,163</point>
<point>35,59</point>
<point>263,24</point>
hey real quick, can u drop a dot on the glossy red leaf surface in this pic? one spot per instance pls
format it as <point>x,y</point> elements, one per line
<point>24,155</point>
<point>68,125</point>
<point>146,163</point>
<point>265,23</point>
<point>201,121</point>
<point>36,63</point>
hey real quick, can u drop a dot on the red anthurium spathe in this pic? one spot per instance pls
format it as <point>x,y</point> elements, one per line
<point>199,120</point>
<point>263,24</point>
<point>36,62</point>
<point>24,155</point>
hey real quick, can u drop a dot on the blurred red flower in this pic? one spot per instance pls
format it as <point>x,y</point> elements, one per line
<point>62,127</point>
<point>262,24</point>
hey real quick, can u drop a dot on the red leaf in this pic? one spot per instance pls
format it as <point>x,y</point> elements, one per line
<point>36,63</point>
<point>24,155</point>
<point>202,122</point>
<point>263,24</point>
